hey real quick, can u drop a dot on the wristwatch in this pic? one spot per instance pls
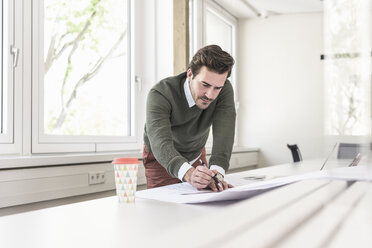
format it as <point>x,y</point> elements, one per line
<point>218,178</point>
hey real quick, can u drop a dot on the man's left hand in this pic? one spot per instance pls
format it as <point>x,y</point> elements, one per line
<point>222,185</point>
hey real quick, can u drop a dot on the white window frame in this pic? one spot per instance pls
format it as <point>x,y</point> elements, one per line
<point>10,142</point>
<point>42,143</point>
<point>7,13</point>
<point>199,9</point>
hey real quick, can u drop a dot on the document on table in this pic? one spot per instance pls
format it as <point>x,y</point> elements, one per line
<point>185,193</point>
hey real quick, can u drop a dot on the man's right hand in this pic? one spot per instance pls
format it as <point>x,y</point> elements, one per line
<point>199,177</point>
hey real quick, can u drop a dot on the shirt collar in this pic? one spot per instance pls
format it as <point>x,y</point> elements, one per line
<point>190,99</point>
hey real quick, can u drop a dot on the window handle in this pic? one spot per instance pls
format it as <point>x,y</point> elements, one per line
<point>138,80</point>
<point>15,52</point>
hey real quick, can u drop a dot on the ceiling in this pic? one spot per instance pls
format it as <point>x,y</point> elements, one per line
<point>252,8</point>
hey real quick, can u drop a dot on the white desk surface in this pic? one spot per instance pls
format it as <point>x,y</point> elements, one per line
<point>274,219</point>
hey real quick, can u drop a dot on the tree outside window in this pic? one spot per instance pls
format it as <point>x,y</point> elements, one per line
<point>86,86</point>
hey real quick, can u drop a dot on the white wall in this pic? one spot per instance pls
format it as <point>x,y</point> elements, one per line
<point>280,82</point>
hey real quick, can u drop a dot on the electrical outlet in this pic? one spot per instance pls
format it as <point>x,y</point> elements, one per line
<point>97,177</point>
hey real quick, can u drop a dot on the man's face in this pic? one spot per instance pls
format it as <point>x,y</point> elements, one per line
<point>205,86</point>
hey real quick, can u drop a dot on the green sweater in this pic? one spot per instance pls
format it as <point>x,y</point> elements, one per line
<point>176,133</point>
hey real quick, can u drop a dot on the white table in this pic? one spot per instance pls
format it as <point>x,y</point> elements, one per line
<point>272,219</point>
<point>96,223</point>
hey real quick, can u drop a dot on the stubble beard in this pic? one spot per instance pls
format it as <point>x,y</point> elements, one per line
<point>202,104</point>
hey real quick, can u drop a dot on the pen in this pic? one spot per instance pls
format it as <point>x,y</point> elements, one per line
<point>215,179</point>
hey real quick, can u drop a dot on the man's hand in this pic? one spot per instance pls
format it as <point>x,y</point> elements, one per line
<point>201,178</point>
<point>221,186</point>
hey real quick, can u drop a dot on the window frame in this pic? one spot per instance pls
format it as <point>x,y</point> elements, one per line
<point>42,143</point>
<point>10,142</point>
<point>7,75</point>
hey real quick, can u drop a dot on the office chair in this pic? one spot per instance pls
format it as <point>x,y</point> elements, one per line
<point>296,154</point>
<point>348,150</point>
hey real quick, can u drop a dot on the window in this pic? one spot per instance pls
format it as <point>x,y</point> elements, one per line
<point>67,78</point>
<point>218,27</point>
<point>347,67</point>
<point>9,60</point>
<point>4,67</point>
<point>83,99</point>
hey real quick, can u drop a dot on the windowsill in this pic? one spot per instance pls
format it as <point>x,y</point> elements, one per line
<point>11,162</point>
<point>236,149</point>
<point>14,161</point>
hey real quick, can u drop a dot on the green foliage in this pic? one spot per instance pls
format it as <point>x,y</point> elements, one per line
<point>51,122</point>
<point>83,24</point>
<point>68,70</point>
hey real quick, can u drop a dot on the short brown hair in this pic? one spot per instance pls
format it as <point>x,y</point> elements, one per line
<point>214,58</point>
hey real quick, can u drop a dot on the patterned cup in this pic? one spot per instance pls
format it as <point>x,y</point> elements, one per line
<point>126,170</point>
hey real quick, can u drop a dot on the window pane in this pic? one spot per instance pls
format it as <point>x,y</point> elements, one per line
<point>347,67</point>
<point>1,65</point>
<point>4,65</point>
<point>86,86</point>
<point>218,32</point>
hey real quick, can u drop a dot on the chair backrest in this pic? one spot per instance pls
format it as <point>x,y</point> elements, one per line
<point>296,154</point>
<point>348,150</point>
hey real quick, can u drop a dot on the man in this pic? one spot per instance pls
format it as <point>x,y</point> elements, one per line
<point>179,113</point>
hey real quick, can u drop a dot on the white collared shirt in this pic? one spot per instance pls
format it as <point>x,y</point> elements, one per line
<point>190,99</point>
<point>187,165</point>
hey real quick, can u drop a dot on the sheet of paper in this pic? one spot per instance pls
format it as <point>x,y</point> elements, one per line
<point>185,193</point>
